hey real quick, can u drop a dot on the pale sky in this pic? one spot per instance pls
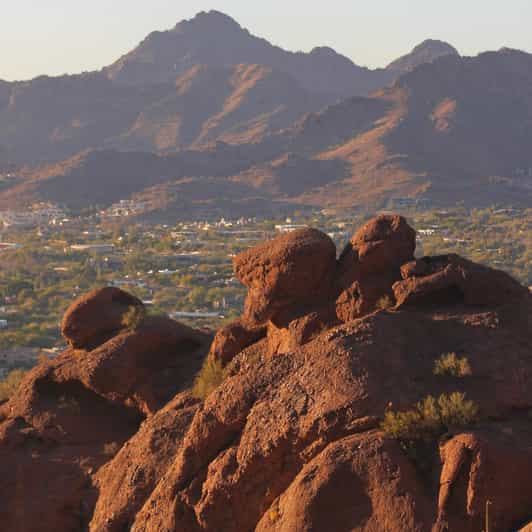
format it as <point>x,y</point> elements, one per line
<point>68,36</point>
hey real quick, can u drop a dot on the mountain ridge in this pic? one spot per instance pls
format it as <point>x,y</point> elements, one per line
<point>457,129</point>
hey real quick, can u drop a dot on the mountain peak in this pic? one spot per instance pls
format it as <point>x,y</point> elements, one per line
<point>435,46</point>
<point>425,52</point>
<point>211,18</point>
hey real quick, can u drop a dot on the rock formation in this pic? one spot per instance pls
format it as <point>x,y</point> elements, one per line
<point>73,413</point>
<point>292,438</point>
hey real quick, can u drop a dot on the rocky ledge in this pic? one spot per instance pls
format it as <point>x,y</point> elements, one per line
<point>109,437</point>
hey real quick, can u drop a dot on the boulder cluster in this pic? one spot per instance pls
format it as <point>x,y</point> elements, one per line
<point>297,287</point>
<point>108,436</point>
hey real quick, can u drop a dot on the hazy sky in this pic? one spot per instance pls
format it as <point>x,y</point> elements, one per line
<point>59,36</point>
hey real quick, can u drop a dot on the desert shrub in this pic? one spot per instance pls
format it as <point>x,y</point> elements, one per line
<point>69,403</point>
<point>133,317</point>
<point>211,375</point>
<point>385,302</point>
<point>430,417</point>
<point>450,364</point>
<point>111,448</point>
<point>11,383</point>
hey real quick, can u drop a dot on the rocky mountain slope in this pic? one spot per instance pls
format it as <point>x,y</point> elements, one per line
<point>108,437</point>
<point>426,52</point>
<point>207,79</point>
<point>457,129</point>
<point>215,39</point>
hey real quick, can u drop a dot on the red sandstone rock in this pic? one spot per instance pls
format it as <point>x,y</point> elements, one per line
<point>361,482</point>
<point>292,270</point>
<point>450,278</point>
<point>248,457</point>
<point>128,479</point>
<point>291,441</point>
<point>370,264</point>
<point>74,413</point>
<point>382,245</point>
<point>96,316</point>
<point>233,338</point>
<point>296,332</point>
<point>493,467</point>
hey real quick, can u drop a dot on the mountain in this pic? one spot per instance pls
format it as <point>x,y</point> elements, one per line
<point>426,52</point>
<point>49,119</point>
<point>207,79</point>
<point>235,104</point>
<point>215,39</point>
<point>456,129</point>
<point>373,391</point>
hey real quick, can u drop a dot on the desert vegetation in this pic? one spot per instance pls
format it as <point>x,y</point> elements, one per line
<point>11,383</point>
<point>431,417</point>
<point>451,364</point>
<point>212,374</point>
<point>133,317</point>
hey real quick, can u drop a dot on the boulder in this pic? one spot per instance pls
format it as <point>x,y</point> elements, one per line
<point>294,270</point>
<point>363,296</point>
<point>233,338</point>
<point>370,264</point>
<point>486,467</point>
<point>361,482</point>
<point>97,316</point>
<point>382,245</point>
<point>452,279</point>
<point>74,413</point>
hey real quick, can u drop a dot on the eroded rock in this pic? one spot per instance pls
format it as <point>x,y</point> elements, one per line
<point>97,316</point>
<point>294,270</point>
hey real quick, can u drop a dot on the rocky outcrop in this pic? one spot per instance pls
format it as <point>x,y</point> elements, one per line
<point>365,468</point>
<point>370,264</point>
<point>234,338</point>
<point>125,482</point>
<point>286,274</point>
<point>72,414</point>
<point>96,316</point>
<point>292,438</point>
<point>261,435</point>
<point>450,277</point>
<point>486,471</point>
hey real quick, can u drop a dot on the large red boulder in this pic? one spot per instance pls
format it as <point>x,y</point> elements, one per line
<point>94,317</point>
<point>381,245</point>
<point>72,414</point>
<point>294,270</point>
<point>450,278</point>
<point>486,468</point>
<point>370,264</point>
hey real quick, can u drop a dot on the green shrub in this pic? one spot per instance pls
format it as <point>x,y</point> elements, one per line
<point>211,375</point>
<point>385,302</point>
<point>11,383</point>
<point>133,318</point>
<point>430,417</point>
<point>450,364</point>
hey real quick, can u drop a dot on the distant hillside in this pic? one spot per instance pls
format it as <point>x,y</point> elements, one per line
<point>235,104</point>
<point>457,129</point>
<point>217,40</point>
<point>207,79</point>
